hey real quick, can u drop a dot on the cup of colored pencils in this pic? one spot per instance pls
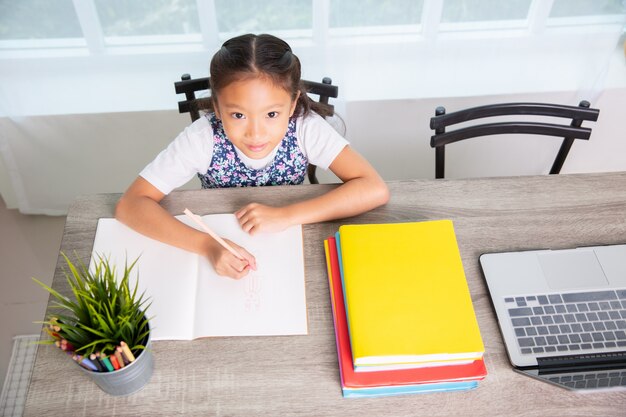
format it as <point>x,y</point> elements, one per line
<point>103,325</point>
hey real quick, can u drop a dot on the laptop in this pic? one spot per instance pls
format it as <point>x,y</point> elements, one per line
<point>562,313</point>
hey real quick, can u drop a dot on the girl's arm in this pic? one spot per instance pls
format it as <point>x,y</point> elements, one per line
<point>363,189</point>
<point>139,209</point>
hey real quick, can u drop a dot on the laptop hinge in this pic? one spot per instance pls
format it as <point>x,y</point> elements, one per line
<point>578,361</point>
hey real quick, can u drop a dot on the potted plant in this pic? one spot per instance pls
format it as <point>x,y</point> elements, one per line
<point>103,326</point>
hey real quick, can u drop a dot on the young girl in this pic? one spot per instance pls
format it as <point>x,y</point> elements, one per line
<point>262,130</point>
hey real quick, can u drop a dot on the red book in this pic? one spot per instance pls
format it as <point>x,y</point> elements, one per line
<point>473,371</point>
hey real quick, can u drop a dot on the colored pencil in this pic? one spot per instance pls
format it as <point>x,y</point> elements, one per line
<point>113,360</point>
<point>198,220</point>
<point>127,352</point>
<point>68,345</point>
<point>85,363</point>
<point>94,359</point>
<point>121,353</point>
<point>105,360</point>
<point>118,356</point>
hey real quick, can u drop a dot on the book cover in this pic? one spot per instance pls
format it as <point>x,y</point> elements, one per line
<point>406,295</point>
<point>189,299</point>
<point>424,379</point>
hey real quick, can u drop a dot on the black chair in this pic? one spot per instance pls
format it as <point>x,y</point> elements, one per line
<point>194,105</point>
<point>577,115</point>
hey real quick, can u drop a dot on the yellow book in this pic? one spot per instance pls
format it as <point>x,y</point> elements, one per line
<point>407,299</point>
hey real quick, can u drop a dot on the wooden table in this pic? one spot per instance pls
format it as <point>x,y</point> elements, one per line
<point>298,375</point>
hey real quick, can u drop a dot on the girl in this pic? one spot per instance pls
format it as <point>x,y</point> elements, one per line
<point>262,130</point>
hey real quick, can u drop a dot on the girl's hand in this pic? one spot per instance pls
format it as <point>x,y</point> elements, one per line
<point>256,217</point>
<point>227,264</point>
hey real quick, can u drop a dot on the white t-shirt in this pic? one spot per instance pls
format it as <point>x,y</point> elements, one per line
<point>191,152</point>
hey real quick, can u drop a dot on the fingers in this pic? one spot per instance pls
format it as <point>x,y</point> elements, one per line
<point>233,268</point>
<point>246,225</point>
<point>245,210</point>
<point>249,258</point>
<point>235,274</point>
<point>246,217</point>
<point>250,227</point>
<point>255,217</point>
<point>229,265</point>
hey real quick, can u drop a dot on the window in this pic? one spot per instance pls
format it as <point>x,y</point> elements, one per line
<point>144,18</point>
<point>241,16</point>
<point>585,12</point>
<point>459,11</point>
<point>38,19</point>
<point>569,8</point>
<point>363,13</point>
<point>39,24</point>
<point>99,24</point>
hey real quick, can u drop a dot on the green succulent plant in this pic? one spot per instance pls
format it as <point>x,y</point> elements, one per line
<point>103,311</point>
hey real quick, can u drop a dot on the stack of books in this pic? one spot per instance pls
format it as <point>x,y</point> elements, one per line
<point>404,320</point>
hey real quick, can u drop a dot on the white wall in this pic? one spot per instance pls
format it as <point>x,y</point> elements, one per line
<point>395,137</point>
<point>58,157</point>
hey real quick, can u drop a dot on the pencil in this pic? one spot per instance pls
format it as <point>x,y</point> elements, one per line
<point>211,233</point>
<point>105,360</point>
<point>64,349</point>
<point>114,362</point>
<point>85,363</point>
<point>55,334</point>
<point>99,359</point>
<point>65,345</point>
<point>118,356</point>
<point>129,355</point>
<point>96,362</point>
<point>122,355</point>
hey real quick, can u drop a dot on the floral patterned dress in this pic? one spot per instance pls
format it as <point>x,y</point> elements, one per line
<point>227,170</point>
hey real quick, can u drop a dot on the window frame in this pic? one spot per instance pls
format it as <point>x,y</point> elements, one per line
<point>95,43</point>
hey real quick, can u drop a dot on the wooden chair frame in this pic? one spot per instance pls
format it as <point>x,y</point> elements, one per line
<point>441,121</point>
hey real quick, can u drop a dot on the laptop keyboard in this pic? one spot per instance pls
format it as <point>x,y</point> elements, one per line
<point>569,323</point>
<point>592,380</point>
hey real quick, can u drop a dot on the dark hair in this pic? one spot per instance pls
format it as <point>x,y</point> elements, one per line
<point>262,55</point>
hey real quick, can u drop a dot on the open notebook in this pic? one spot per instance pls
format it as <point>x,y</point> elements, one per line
<point>189,300</point>
<point>562,313</point>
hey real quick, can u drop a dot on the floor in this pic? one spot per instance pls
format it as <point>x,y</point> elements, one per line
<point>29,247</point>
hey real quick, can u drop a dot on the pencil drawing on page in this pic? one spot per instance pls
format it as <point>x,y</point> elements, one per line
<point>253,292</point>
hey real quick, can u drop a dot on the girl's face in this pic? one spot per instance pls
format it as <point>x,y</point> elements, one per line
<point>255,114</point>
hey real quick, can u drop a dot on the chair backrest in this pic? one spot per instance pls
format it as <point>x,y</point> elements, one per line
<point>194,105</point>
<point>577,115</point>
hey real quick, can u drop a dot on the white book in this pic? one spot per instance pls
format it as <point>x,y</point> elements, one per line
<point>189,299</point>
